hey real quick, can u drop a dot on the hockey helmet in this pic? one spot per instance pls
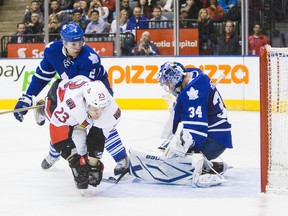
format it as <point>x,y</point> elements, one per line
<point>96,94</point>
<point>171,76</point>
<point>71,32</point>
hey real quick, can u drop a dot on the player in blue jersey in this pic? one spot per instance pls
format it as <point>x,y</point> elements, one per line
<point>200,110</point>
<point>71,57</point>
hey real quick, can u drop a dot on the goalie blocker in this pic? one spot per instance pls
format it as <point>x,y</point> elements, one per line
<point>188,170</point>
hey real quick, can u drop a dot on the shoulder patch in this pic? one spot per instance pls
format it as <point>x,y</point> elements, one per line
<point>94,58</point>
<point>117,114</point>
<point>70,103</point>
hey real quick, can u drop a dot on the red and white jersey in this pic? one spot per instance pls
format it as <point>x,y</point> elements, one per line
<point>71,111</point>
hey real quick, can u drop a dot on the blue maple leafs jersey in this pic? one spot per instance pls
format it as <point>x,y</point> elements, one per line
<point>55,60</point>
<point>202,111</point>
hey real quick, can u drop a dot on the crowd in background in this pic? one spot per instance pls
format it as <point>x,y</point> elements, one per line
<point>99,17</point>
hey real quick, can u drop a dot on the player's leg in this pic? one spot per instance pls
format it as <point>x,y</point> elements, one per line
<point>117,150</point>
<point>50,105</point>
<point>212,150</point>
<point>51,158</point>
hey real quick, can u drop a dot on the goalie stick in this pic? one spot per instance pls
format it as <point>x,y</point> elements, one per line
<point>113,180</point>
<point>22,109</point>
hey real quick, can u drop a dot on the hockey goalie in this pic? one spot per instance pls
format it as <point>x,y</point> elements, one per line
<point>198,132</point>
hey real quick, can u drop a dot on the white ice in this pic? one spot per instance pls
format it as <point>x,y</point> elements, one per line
<point>26,189</point>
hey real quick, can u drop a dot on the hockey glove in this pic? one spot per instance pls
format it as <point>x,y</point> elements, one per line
<point>80,170</point>
<point>96,173</point>
<point>179,145</point>
<point>24,101</point>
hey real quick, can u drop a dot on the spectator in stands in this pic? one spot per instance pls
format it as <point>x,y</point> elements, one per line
<point>19,36</point>
<point>35,26</point>
<point>231,11</point>
<point>228,43</point>
<point>77,18</point>
<point>54,27</point>
<point>125,5</point>
<point>152,3</point>
<point>215,12</point>
<point>96,25</point>
<point>123,19</point>
<point>227,4</point>
<point>83,5</point>
<point>66,4</point>
<point>54,7</point>
<point>191,8</point>
<point>145,47</point>
<point>34,8</point>
<point>103,11</point>
<point>204,4</point>
<point>207,37</point>
<point>137,21</point>
<point>158,20</point>
<point>257,40</point>
<point>145,9</point>
<point>185,22</point>
<point>110,4</point>
<point>166,5</point>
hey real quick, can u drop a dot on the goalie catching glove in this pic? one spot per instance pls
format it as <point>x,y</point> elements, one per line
<point>180,143</point>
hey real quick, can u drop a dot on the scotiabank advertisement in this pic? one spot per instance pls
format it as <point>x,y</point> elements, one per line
<point>36,50</point>
<point>135,83</point>
<point>164,40</point>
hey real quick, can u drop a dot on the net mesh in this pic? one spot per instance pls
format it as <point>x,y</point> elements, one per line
<point>277,119</point>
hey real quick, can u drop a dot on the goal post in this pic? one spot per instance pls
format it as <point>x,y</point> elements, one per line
<point>274,119</point>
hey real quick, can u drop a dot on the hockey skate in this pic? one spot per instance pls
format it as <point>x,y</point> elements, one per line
<point>39,114</point>
<point>121,166</point>
<point>217,167</point>
<point>49,161</point>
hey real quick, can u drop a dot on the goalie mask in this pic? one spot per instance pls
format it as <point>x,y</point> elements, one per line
<point>96,97</point>
<point>171,76</point>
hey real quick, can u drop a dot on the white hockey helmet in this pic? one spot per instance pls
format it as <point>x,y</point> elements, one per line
<point>96,94</point>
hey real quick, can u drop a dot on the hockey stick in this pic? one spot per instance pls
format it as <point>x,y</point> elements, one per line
<point>116,180</point>
<point>23,109</point>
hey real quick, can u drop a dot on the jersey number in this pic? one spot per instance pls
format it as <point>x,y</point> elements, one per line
<point>61,115</point>
<point>195,111</point>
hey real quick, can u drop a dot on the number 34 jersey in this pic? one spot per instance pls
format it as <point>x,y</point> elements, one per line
<point>202,111</point>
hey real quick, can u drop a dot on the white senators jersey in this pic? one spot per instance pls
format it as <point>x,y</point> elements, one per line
<point>71,111</point>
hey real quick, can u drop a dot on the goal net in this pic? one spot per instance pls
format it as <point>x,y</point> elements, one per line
<point>274,119</point>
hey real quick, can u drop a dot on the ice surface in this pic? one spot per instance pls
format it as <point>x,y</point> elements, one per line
<point>26,189</point>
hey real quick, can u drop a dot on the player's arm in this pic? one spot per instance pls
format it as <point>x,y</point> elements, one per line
<point>44,74</point>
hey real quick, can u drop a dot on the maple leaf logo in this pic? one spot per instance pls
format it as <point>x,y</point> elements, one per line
<point>94,58</point>
<point>192,94</point>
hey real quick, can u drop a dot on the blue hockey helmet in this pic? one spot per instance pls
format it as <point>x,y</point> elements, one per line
<point>171,76</point>
<point>71,32</point>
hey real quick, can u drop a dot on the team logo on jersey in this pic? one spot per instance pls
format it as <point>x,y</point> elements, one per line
<point>192,94</point>
<point>94,58</point>
<point>70,103</point>
<point>67,62</point>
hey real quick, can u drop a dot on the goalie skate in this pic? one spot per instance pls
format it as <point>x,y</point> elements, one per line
<point>39,114</point>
